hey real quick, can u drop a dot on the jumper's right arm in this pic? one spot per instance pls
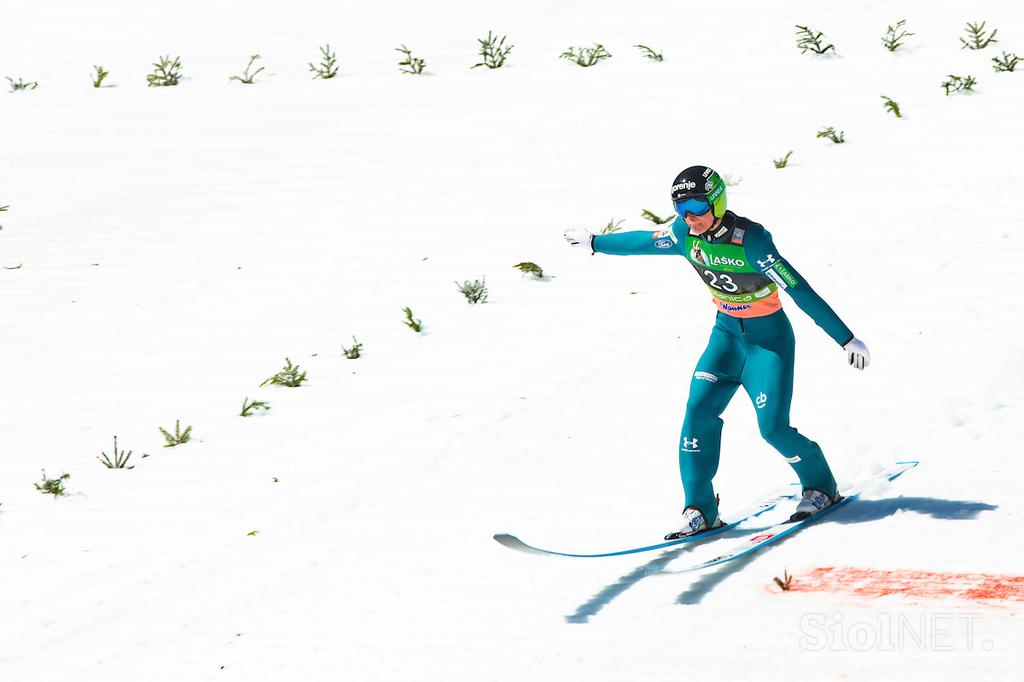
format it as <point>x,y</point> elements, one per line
<point>636,244</point>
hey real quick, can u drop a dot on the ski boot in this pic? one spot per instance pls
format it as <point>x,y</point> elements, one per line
<point>694,523</point>
<point>812,502</point>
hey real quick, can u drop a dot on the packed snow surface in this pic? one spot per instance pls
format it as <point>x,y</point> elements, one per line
<point>176,244</point>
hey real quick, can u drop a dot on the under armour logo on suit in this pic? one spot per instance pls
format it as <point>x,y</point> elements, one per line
<point>690,444</point>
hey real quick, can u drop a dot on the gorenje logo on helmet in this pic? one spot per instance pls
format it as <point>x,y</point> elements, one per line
<point>684,185</point>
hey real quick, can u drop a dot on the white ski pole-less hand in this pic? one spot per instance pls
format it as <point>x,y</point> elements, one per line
<point>857,353</point>
<point>580,238</point>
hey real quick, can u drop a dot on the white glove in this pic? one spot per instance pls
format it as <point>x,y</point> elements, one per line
<point>857,353</point>
<point>581,238</point>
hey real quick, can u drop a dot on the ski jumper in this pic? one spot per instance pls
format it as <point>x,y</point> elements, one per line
<point>751,345</point>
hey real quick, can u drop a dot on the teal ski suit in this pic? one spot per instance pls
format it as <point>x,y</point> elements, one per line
<point>751,345</point>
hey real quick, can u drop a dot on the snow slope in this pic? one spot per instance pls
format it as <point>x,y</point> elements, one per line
<point>176,244</point>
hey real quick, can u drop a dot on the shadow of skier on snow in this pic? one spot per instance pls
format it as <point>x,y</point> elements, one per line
<point>861,512</point>
<point>655,566</point>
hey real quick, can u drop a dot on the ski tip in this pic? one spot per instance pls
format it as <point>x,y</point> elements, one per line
<point>512,542</point>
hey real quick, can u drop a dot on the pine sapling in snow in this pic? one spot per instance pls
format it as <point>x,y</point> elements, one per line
<point>410,321</point>
<point>166,72</point>
<point>528,268</point>
<point>248,74</point>
<point>21,84</point>
<point>807,39</point>
<point>894,36</point>
<point>250,407</point>
<point>977,37</point>
<point>290,376</point>
<point>52,486</point>
<point>99,74</point>
<point>179,437</point>
<point>119,459</point>
<point>830,133</point>
<point>355,351</point>
<point>328,67</point>
<point>493,50</point>
<point>650,54</point>
<point>410,64</point>
<point>612,227</point>
<point>586,56</point>
<point>655,218</point>
<point>784,161</point>
<point>785,581</point>
<point>475,291</point>
<point>954,83</point>
<point>892,106</point>
<point>1007,62</point>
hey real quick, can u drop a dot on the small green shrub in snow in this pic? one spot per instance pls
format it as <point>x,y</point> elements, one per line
<point>838,137</point>
<point>250,407</point>
<point>977,37</point>
<point>355,351</point>
<point>475,291</point>
<point>289,376</point>
<point>1007,62</point>
<point>410,64</point>
<point>892,106</point>
<point>328,66</point>
<point>955,83</point>
<point>179,437</point>
<point>654,218</point>
<point>410,321</point>
<point>20,84</point>
<point>493,51</point>
<point>612,226</point>
<point>586,56</point>
<point>649,53</point>
<point>784,161</point>
<point>119,459</point>
<point>894,36</point>
<point>52,486</point>
<point>807,39</point>
<point>248,74</point>
<point>166,72</point>
<point>98,76</point>
<point>528,268</point>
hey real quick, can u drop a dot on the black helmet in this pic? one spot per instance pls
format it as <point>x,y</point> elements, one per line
<point>700,182</point>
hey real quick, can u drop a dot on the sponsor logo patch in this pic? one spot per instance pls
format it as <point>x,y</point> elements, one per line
<point>735,308</point>
<point>737,236</point>
<point>767,262</point>
<point>774,276</point>
<point>785,274</point>
<point>705,376</point>
<point>793,460</point>
<point>690,445</point>
<point>761,400</point>
<point>684,185</point>
<point>663,244</point>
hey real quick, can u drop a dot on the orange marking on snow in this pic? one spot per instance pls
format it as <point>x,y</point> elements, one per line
<point>868,582</point>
